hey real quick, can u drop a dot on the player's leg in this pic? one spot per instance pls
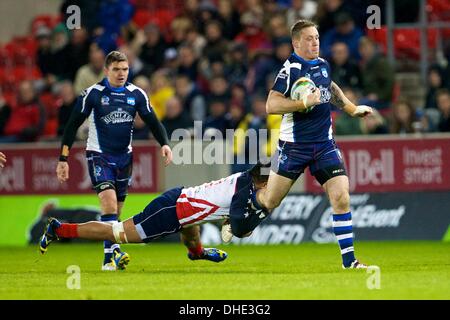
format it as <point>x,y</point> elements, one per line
<point>102,170</point>
<point>124,168</point>
<point>190,236</point>
<point>92,230</point>
<point>329,170</point>
<point>288,163</point>
<point>278,187</point>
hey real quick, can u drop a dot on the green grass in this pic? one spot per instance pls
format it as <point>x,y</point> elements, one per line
<point>409,270</point>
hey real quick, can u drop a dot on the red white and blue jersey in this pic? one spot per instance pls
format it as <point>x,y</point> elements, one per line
<point>207,202</point>
<point>111,113</point>
<point>313,126</point>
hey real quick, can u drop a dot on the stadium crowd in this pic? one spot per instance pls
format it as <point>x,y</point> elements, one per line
<point>204,60</point>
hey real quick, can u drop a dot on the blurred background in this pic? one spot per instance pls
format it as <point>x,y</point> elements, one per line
<point>215,61</point>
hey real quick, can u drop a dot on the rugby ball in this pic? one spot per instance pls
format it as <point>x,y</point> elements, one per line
<point>301,88</point>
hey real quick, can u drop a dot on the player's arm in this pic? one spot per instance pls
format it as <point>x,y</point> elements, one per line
<point>70,131</point>
<point>156,127</point>
<point>277,103</point>
<point>339,99</point>
<point>244,218</point>
<point>77,117</point>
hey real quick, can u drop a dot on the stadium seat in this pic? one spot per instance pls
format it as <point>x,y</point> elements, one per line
<point>406,41</point>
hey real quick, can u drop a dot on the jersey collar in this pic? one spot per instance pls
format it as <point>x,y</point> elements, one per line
<point>120,89</point>
<point>315,61</point>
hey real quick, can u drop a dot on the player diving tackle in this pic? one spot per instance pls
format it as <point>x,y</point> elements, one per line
<point>182,209</point>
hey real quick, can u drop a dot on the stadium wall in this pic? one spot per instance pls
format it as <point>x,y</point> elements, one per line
<point>17,15</point>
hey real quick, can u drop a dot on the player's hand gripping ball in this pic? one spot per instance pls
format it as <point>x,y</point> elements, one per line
<point>300,91</point>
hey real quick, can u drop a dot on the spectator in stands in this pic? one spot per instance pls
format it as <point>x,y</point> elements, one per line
<point>374,123</point>
<point>5,112</point>
<point>238,63</point>
<point>344,31</point>
<point>112,15</point>
<point>264,66</point>
<point>230,19</point>
<point>436,81</point>
<point>218,90</point>
<point>178,30</point>
<point>193,101</point>
<point>253,36</point>
<point>343,70</point>
<point>377,75</point>
<point>150,46</point>
<point>206,12</point>
<point>443,103</point>
<point>44,54</point>
<point>76,52</point>
<point>218,117</point>
<point>171,62</point>
<point>236,115</point>
<point>176,117</point>
<point>402,117</point>
<point>27,119</point>
<point>216,47</point>
<point>326,14</point>
<point>328,10</point>
<point>300,9</point>
<point>196,41</point>
<point>161,91</point>
<point>188,62</point>
<point>239,97</point>
<point>278,28</point>
<point>68,98</point>
<point>92,72</point>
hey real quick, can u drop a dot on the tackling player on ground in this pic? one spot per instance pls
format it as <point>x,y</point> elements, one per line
<point>306,136</point>
<point>179,209</point>
<point>111,106</point>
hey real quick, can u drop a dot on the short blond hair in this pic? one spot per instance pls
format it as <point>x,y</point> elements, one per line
<point>299,26</point>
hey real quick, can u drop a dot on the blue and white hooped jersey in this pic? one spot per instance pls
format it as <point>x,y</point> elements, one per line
<point>313,126</point>
<point>111,113</point>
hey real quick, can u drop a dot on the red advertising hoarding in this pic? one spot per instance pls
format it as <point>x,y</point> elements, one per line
<point>382,165</point>
<point>32,170</point>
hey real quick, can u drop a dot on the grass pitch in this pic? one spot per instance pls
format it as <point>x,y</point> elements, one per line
<point>408,270</point>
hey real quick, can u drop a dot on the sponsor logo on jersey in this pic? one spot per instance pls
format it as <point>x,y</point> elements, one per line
<point>282,74</point>
<point>117,93</point>
<point>131,101</point>
<point>105,101</point>
<point>118,116</point>
<point>324,72</point>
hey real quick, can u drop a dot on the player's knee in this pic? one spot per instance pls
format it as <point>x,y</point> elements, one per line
<point>272,203</point>
<point>340,199</point>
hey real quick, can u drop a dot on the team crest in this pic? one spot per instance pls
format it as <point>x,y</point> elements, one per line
<point>131,101</point>
<point>324,72</point>
<point>105,101</point>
